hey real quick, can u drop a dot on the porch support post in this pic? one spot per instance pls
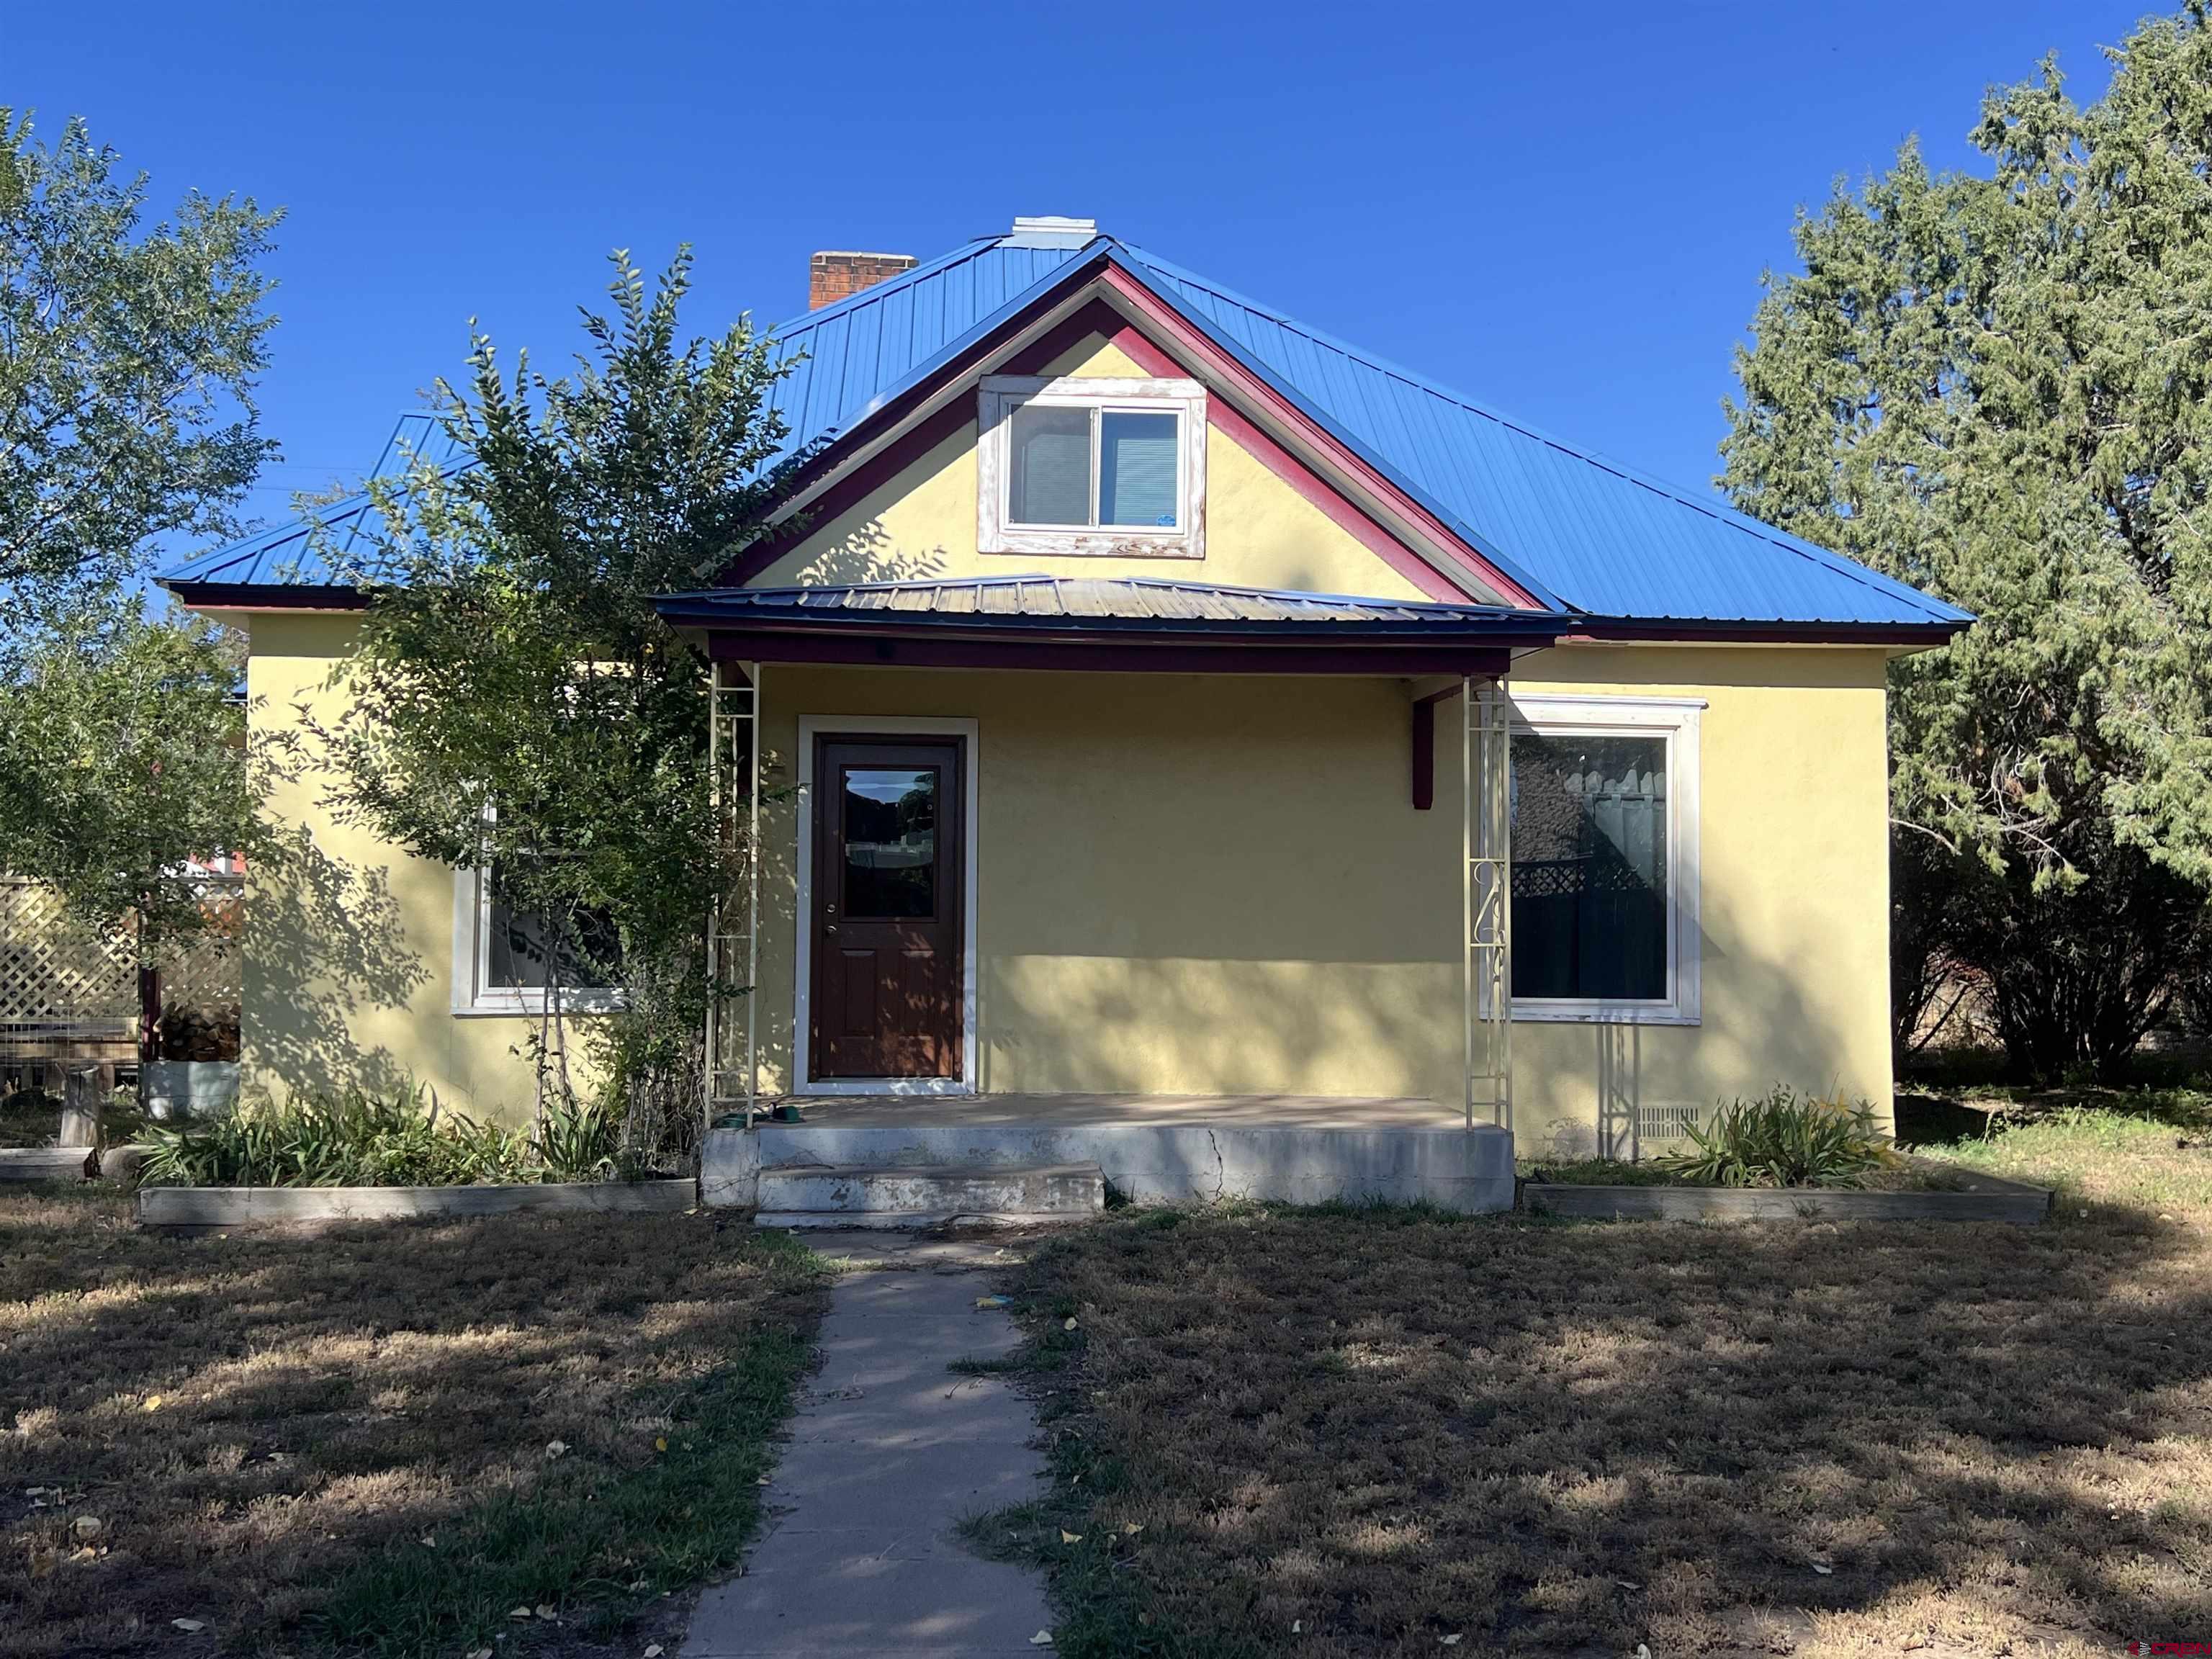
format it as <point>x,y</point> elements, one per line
<point>752,896</point>
<point>1467,884</point>
<point>1486,895</point>
<point>712,1036</point>
<point>733,921</point>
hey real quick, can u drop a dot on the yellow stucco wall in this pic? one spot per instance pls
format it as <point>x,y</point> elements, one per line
<point>1218,885</point>
<point>1260,532</point>
<point>348,952</point>
<point>1193,884</point>
<point>1794,889</point>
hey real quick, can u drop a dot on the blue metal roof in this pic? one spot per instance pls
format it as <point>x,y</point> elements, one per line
<point>860,352</point>
<point>288,555</point>
<point>1595,537</point>
<point>1608,541</point>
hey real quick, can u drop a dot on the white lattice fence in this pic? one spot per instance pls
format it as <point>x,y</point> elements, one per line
<point>63,983</point>
<point>208,975</point>
<point>55,971</point>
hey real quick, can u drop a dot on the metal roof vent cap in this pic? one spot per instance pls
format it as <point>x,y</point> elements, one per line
<point>1051,230</point>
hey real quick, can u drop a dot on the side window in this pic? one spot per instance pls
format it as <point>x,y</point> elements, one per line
<point>505,955</point>
<point>1590,867</point>
<point>1605,859</point>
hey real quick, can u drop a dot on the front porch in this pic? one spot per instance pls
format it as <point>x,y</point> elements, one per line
<point>902,1160</point>
<point>1055,885</point>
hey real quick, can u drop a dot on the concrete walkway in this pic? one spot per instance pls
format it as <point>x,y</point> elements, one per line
<point>889,1451</point>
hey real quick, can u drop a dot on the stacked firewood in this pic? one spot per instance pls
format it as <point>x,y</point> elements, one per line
<point>205,1031</point>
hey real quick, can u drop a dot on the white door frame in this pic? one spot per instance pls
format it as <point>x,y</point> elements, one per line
<point>965,733</point>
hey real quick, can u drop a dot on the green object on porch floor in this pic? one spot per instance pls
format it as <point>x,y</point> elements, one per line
<point>764,1115</point>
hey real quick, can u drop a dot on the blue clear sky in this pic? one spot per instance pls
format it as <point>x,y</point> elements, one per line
<point>1561,210</point>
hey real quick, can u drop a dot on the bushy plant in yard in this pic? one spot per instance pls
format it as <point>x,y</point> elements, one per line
<point>1784,1140</point>
<point>582,1139</point>
<point>355,1139</point>
<point>511,657</point>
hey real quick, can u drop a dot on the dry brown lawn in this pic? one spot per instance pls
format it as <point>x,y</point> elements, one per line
<point>377,1435</point>
<point>1372,1434</point>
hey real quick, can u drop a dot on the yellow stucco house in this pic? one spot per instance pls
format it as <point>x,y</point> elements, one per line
<point>1167,714</point>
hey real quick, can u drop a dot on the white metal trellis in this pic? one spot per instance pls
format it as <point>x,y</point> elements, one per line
<point>1486,895</point>
<point>733,925</point>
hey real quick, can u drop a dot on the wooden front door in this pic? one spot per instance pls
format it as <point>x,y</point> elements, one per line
<point>889,862</point>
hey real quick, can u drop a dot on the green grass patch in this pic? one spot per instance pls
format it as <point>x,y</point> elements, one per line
<point>2186,1108</point>
<point>1082,1535</point>
<point>2149,1151</point>
<point>1078,1536</point>
<point>595,1547</point>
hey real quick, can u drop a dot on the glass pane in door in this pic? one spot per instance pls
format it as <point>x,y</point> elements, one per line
<point>890,843</point>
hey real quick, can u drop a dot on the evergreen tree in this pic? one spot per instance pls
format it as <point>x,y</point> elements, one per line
<point>1998,386</point>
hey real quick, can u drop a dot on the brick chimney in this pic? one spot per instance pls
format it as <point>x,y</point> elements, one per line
<point>834,276</point>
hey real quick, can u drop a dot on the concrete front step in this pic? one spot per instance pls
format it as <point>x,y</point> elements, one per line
<point>1185,1162</point>
<point>928,1195</point>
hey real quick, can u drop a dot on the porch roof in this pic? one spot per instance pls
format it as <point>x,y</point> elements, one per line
<point>1106,623</point>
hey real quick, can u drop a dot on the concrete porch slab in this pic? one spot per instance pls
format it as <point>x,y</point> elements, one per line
<point>1254,1111</point>
<point>1154,1148</point>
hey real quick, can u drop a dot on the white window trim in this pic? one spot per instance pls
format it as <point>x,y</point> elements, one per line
<point>472,996</point>
<point>802,1062</point>
<point>1546,715</point>
<point>1001,394</point>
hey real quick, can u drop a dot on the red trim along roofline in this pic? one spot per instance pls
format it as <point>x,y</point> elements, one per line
<point>1098,317</point>
<point>1119,654</point>
<point>1309,485</point>
<point>844,491</point>
<point>1218,363</point>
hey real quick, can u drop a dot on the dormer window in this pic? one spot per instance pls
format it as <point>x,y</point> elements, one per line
<point>1113,468</point>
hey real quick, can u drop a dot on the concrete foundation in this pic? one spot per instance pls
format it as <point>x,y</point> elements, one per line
<point>1310,1154</point>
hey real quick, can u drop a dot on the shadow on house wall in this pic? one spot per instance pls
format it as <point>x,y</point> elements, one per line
<point>327,951</point>
<point>867,554</point>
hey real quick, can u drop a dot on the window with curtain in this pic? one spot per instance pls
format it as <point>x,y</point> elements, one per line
<point>1591,867</point>
<point>1082,466</point>
<point>1096,468</point>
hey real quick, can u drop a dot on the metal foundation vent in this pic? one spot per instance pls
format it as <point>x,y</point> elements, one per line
<point>1665,1123</point>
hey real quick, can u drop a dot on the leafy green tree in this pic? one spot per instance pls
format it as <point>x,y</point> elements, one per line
<point>125,756</point>
<point>517,706</point>
<point>1999,387</point>
<point>127,363</point>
